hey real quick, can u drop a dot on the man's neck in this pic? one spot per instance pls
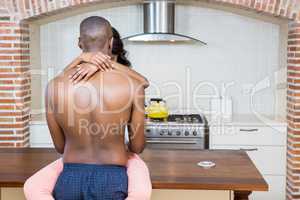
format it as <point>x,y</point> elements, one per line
<point>95,50</point>
<point>102,50</point>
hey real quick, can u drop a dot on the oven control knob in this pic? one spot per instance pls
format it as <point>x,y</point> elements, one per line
<point>170,133</point>
<point>194,133</point>
<point>161,132</point>
<point>186,133</point>
<point>178,133</point>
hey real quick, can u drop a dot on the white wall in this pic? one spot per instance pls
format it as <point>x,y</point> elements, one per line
<point>240,49</point>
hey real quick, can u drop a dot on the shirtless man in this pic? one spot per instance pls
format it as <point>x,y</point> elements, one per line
<point>87,121</point>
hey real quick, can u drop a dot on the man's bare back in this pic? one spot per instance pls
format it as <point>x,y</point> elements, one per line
<point>93,115</point>
<point>87,120</point>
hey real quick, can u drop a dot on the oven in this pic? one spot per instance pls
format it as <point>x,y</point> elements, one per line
<point>178,132</point>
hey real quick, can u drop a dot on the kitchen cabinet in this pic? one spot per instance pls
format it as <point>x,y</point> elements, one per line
<point>191,194</point>
<point>248,134</point>
<point>276,189</point>
<point>264,143</point>
<point>12,194</point>
<point>17,194</point>
<point>273,168</point>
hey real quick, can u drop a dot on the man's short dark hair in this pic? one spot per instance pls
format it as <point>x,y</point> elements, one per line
<point>95,30</point>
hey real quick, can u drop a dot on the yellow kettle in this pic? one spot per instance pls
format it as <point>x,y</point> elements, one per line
<point>157,109</point>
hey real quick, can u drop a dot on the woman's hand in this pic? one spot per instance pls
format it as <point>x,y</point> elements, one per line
<point>83,72</point>
<point>99,59</point>
<point>90,64</point>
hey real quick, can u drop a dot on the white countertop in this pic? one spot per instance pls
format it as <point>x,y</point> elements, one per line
<point>247,119</point>
<point>240,120</point>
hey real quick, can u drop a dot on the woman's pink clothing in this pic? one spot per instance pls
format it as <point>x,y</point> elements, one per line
<point>41,184</point>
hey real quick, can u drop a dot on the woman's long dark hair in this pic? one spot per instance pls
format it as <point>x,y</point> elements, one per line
<point>118,49</point>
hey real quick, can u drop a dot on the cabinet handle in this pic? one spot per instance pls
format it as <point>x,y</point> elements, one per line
<point>245,149</point>
<point>170,142</point>
<point>249,130</point>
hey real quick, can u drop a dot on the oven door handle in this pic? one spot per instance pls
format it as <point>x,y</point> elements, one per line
<point>170,142</point>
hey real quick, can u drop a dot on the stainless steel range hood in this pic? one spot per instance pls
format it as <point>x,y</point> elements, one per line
<point>159,24</point>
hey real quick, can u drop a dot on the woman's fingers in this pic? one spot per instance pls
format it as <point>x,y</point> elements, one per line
<point>81,75</point>
<point>100,54</point>
<point>105,62</point>
<point>86,70</point>
<point>72,75</point>
<point>102,65</point>
<point>75,75</point>
<point>96,62</point>
<point>74,72</point>
<point>102,61</point>
<point>87,76</point>
<point>99,63</point>
<point>80,71</point>
<point>104,58</point>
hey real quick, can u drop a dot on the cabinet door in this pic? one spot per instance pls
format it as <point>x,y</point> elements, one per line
<point>269,160</point>
<point>40,136</point>
<point>248,135</point>
<point>12,194</point>
<point>276,189</point>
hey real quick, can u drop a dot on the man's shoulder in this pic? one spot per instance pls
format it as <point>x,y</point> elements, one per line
<point>117,66</point>
<point>54,82</point>
<point>114,63</point>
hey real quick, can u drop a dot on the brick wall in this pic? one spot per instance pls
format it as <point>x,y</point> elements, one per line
<point>15,76</point>
<point>293,101</point>
<point>14,81</point>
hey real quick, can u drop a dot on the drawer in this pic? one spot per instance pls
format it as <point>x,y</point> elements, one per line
<point>276,189</point>
<point>263,158</point>
<point>248,135</point>
<point>40,136</point>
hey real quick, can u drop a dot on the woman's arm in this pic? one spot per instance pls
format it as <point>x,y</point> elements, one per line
<point>139,182</point>
<point>98,59</point>
<point>90,63</point>
<point>87,65</point>
<point>134,74</point>
<point>41,184</point>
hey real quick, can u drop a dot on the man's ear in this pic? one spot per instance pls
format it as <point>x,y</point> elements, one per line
<point>80,43</point>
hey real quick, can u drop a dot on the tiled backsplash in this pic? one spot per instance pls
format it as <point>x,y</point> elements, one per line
<point>241,52</point>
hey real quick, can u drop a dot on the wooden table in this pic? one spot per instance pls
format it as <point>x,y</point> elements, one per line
<point>170,169</point>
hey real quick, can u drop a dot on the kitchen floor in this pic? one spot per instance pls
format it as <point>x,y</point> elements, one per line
<point>17,194</point>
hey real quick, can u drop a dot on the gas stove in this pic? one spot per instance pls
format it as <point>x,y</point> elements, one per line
<point>191,118</point>
<point>179,131</point>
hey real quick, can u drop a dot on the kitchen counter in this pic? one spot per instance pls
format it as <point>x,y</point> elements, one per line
<point>247,119</point>
<point>170,169</point>
<point>239,119</point>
